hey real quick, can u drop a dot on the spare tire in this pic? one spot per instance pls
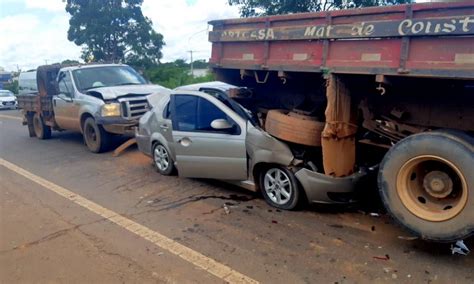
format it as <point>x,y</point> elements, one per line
<point>294,127</point>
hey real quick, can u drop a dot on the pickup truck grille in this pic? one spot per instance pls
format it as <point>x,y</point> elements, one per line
<point>134,108</point>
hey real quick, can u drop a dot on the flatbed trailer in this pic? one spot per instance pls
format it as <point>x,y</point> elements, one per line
<point>394,87</point>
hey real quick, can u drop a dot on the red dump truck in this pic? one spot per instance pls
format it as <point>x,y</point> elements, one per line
<point>388,88</point>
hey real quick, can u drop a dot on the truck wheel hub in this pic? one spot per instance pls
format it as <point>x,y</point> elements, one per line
<point>432,188</point>
<point>438,184</point>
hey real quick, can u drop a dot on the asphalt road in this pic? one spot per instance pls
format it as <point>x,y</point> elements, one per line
<point>55,226</point>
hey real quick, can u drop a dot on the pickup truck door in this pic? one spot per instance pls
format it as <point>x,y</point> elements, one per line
<point>204,152</point>
<point>65,104</point>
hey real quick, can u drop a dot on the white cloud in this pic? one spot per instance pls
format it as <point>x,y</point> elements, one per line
<point>30,38</point>
<point>184,26</point>
<point>49,5</point>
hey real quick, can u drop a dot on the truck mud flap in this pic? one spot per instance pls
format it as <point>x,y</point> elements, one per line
<point>320,188</point>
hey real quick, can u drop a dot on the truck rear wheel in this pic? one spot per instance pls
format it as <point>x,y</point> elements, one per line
<point>95,136</point>
<point>426,182</point>
<point>294,127</point>
<point>42,131</point>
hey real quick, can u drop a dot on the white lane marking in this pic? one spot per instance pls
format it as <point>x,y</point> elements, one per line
<point>208,264</point>
<point>11,117</point>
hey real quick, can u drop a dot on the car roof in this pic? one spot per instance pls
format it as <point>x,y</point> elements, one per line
<point>76,67</point>
<point>214,85</point>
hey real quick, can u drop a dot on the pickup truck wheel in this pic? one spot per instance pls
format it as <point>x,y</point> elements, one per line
<point>42,131</point>
<point>95,137</point>
<point>426,182</point>
<point>162,160</point>
<point>294,127</point>
<point>279,187</point>
<point>31,126</point>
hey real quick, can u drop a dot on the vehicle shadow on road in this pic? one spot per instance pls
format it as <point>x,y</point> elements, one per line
<point>75,138</point>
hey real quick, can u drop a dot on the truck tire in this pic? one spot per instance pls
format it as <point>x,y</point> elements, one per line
<point>279,187</point>
<point>292,127</point>
<point>95,136</point>
<point>29,123</point>
<point>42,131</point>
<point>426,182</point>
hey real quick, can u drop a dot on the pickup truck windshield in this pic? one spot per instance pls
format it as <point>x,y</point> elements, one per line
<point>6,94</point>
<point>106,76</point>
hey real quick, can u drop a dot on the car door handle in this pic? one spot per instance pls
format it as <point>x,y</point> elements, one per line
<point>164,127</point>
<point>185,141</point>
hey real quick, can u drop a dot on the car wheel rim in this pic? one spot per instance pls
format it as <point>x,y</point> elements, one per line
<point>432,188</point>
<point>277,186</point>
<point>162,160</point>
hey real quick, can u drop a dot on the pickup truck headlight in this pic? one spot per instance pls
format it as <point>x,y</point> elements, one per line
<point>112,109</point>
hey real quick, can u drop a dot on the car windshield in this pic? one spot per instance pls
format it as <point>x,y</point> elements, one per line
<point>106,76</point>
<point>6,94</point>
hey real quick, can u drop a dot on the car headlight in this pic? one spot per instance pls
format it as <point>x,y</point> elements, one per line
<point>112,109</point>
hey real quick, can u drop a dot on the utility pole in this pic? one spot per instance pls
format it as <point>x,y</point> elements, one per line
<point>192,65</point>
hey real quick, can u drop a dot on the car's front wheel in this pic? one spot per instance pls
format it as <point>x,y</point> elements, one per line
<point>279,187</point>
<point>162,160</point>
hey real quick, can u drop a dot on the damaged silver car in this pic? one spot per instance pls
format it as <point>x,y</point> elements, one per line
<point>200,132</point>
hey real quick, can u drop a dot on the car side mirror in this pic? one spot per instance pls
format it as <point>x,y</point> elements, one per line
<point>221,124</point>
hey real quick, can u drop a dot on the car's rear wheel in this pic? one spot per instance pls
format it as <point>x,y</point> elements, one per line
<point>279,187</point>
<point>95,137</point>
<point>162,160</point>
<point>42,131</point>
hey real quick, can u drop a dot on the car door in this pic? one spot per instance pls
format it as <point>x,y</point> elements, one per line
<point>66,109</point>
<point>204,152</point>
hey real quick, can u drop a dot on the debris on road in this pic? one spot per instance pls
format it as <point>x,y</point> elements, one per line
<point>460,248</point>
<point>374,214</point>
<point>226,209</point>
<point>385,257</point>
<point>408,238</point>
<point>124,146</point>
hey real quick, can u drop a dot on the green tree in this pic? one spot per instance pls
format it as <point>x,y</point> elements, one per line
<point>114,31</point>
<point>12,86</point>
<point>174,74</point>
<point>251,8</point>
<point>70,62</point>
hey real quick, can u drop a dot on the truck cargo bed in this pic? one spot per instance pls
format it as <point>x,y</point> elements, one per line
<point>422,40</point>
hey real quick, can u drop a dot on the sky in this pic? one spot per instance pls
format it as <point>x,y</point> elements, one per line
<point>34,32</point>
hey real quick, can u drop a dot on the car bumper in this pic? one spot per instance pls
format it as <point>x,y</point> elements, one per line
<point>117,125</point>
<point>9,105</point>
<point>143,142</point>
<point>320,188</point>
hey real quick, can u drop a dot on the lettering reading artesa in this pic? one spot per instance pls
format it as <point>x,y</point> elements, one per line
<point>261,34</point>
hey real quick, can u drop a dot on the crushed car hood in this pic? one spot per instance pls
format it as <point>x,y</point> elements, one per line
<point>110,93</point>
